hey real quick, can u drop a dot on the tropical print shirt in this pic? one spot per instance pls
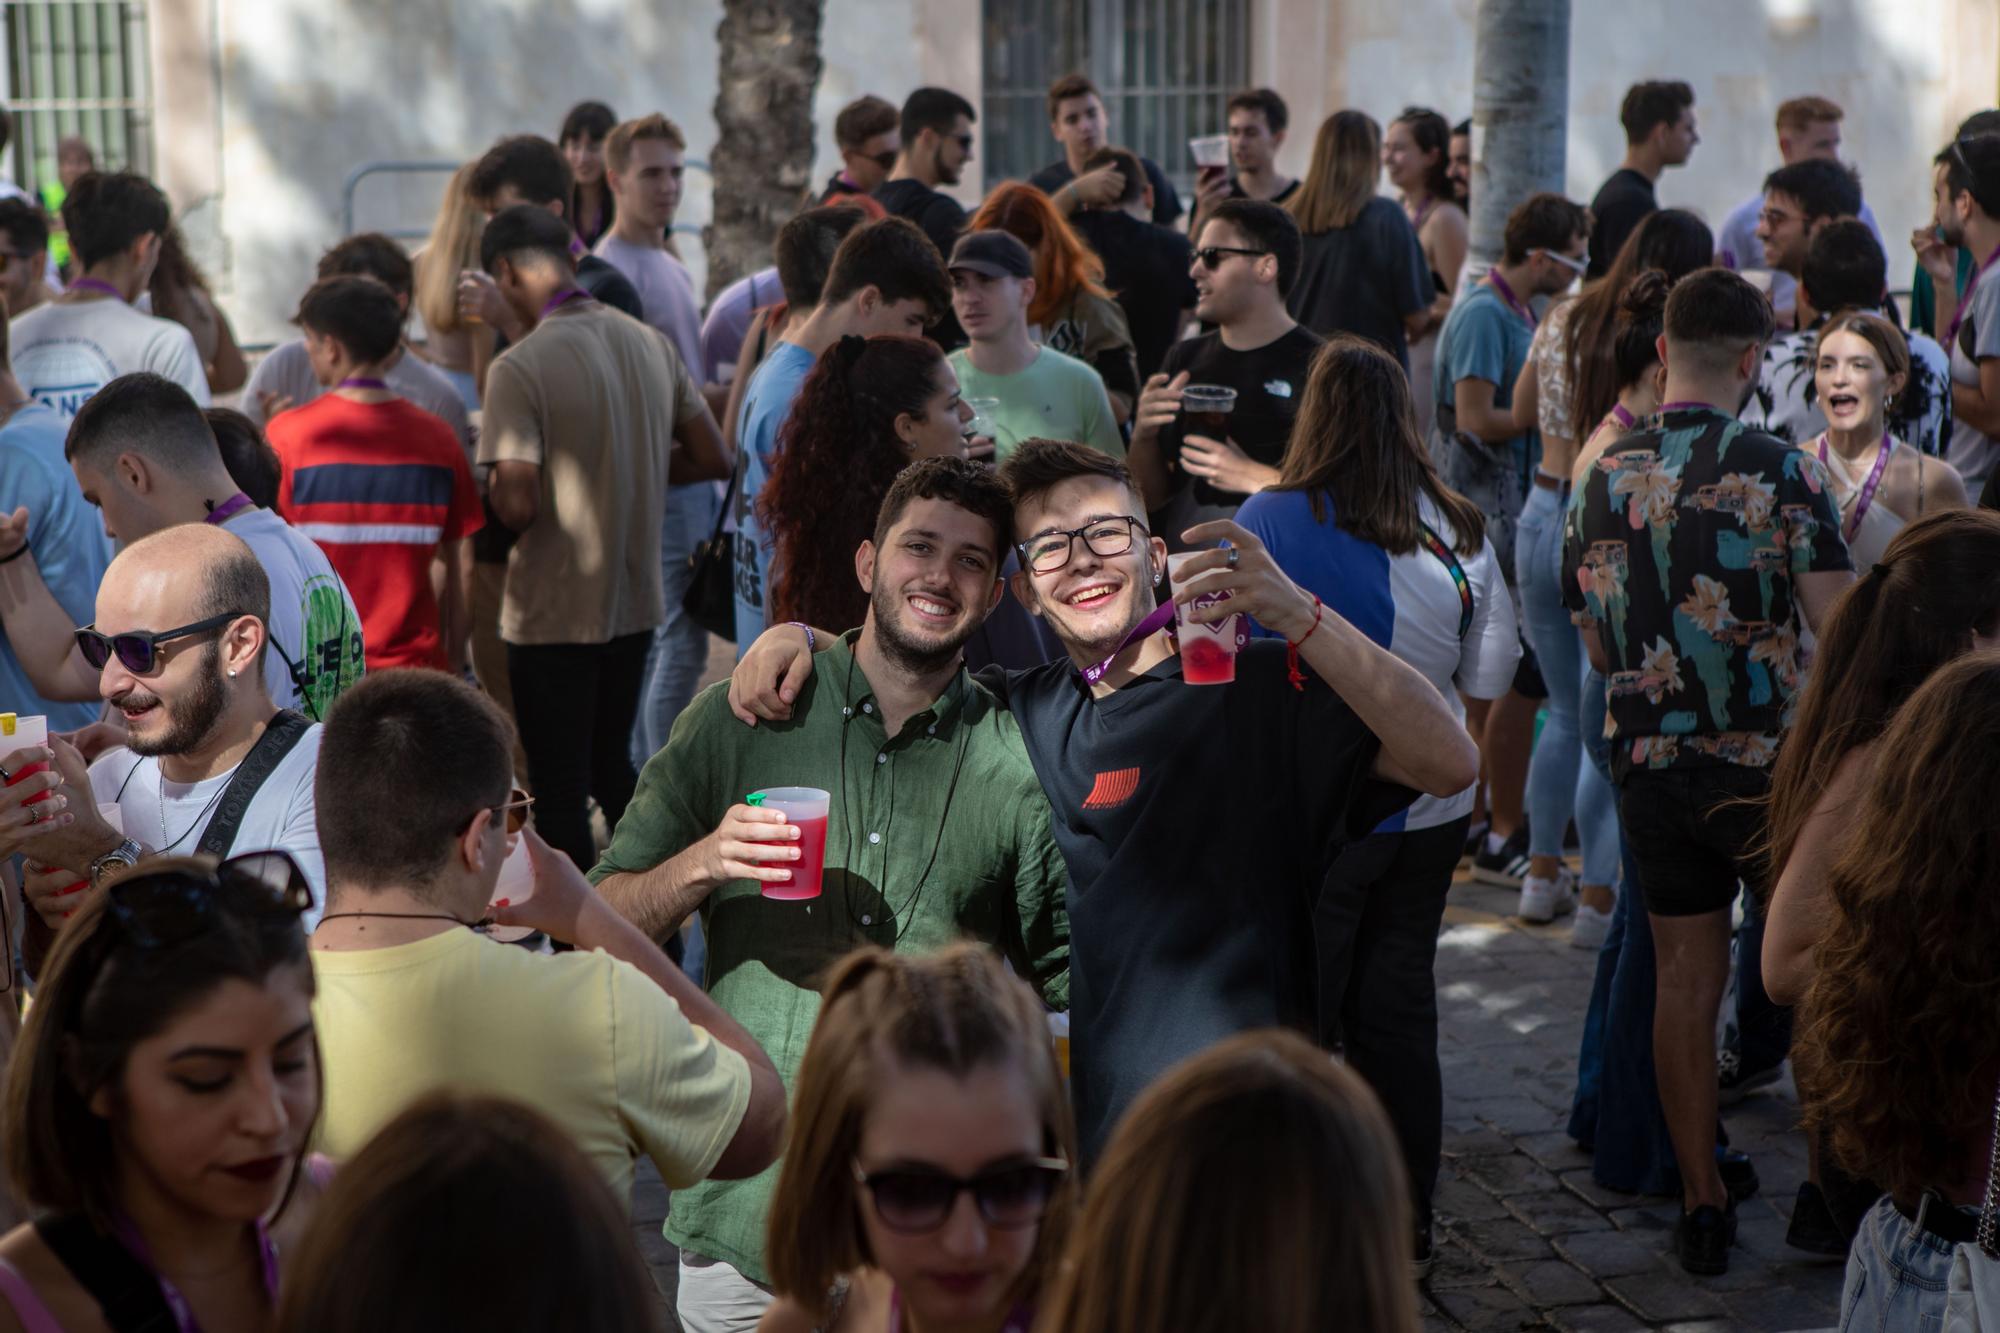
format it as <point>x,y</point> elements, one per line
<point>1681,554</point>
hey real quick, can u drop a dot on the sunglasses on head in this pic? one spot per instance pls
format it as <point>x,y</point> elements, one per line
<point>515,808</point>
<point>916,1199</point>
<point>139,650</point>
<point>1210,256</point>
<point>168,900</point>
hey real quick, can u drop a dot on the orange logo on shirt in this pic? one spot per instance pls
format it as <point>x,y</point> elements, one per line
<point>1112,789</point>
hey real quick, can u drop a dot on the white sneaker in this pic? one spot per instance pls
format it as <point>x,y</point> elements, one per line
<point>1543,900</point>
<point>1589,928</point>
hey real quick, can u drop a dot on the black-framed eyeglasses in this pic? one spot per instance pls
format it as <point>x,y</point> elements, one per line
<point>515,808</point>
<point>138,650</point>
<point>1047,552</point>
<point>914,1199</point>
<point>168,900</point>
<point>1210,256</point>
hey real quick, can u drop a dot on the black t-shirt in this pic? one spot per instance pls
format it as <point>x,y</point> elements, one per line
<point>1364,278</point>
<point>1236,191</point>
<point>1146,268</point>
<point>1197,824</point>
<point>1622,203</point>
<point>1166,204</point>
<point>937,213</point>
<point>1269,382</point>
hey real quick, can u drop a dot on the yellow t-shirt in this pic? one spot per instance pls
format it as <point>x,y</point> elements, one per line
<point>583,1038</point>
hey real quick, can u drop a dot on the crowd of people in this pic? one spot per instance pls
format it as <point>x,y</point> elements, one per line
<point>388,887</point>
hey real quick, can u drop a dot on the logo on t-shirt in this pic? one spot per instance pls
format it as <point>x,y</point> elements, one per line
<point>1278,388</point>
<point>1112,789</point>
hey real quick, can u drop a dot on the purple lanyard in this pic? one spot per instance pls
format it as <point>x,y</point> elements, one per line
<point>267,1254</point>
<point>1965,301</point>
<point>562,299</point>
<point>1853,524</point>
<point>363,382</point>
<point>1162,615</point>
<point>1514,303</point>
<point>1622,416</point>
<point>1417,222</point>
<point>229,508</point>
<point>97,285</point>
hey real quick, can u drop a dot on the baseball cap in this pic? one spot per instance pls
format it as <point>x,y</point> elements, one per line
<point>997,254</point>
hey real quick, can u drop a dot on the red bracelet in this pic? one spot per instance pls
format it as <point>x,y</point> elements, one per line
<point>1292,649</point>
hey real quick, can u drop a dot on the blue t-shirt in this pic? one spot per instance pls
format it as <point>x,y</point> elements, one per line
<point>767,401</point>
<point>1483,339</point>
<point>67,541</point>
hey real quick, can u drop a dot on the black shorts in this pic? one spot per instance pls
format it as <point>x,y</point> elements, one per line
<point>1528,675</point>
<point>1693,834</point>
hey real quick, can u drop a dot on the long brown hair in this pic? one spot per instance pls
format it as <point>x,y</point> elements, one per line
<point>1673,241</point>
<point>453,246</point>
<point>955,1011</point>
<point>1898,1045</point>
<point>446,1188</point>
<point>1346,164</point>
<point>1355,442</point>
<point>1937,585</point>
<point>1256,1185</point>
<point>1064,265</point>
<point>838,452</point>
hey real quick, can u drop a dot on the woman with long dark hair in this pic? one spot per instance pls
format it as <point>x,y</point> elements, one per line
<point>1360,517</point>
<point>591,205</point>
<point>869,408</point>
<point>1416,157</point>
<point>179,291</point>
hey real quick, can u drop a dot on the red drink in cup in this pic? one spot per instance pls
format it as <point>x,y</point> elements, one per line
<point>805,808</point>
<point>20,733</point>
<point>1208,651</point>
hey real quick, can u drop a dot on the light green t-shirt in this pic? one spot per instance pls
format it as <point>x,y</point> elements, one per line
<point>1056,398</point>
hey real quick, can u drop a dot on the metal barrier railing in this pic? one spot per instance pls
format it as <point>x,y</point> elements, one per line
<point>352,184</point>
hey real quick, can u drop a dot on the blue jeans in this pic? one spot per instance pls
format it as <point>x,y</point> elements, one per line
<point>1559,783</point>
<point>1896,1276</point>
<point>679,652</point>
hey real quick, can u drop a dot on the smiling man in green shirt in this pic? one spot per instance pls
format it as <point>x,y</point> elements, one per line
<point>938,829</point>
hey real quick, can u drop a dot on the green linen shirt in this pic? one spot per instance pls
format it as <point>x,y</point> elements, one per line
<point>936,835</point>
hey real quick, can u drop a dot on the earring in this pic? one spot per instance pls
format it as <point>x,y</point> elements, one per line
<point>232,673</point>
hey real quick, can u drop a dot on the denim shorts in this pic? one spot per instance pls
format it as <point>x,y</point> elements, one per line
<point>1896,1276</point>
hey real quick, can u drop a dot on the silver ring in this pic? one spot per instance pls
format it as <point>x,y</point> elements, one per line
<point>5,776</point>
<point>1234,552</point>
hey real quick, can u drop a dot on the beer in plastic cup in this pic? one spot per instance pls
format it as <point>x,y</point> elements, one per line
<point>1210,150</point>
<point>515,884</point>
<point>20,733</point>
<point>1208,652</point>
<point>806,808</point>
<point>1207,408</point>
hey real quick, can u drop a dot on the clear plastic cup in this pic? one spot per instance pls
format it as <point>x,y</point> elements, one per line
<point>1210,150</point>
<point>19,733</point>
<point>1208,652</point>
<point>1205,410</point>
<point>515,884</point>
<point>807,808</point>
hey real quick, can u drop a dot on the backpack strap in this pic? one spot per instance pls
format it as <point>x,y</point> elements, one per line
<point>281,733</point>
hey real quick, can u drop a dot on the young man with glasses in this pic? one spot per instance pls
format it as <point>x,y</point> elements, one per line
<point>1242,272</point>
<point>1197,823</point>
<point>610,1040</point>
<point>175,648</point>
<point>1798,200</point>
<point>868,133</point>
<point>938,829</point>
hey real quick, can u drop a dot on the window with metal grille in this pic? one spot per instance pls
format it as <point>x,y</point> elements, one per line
<point>1165,68</point>
<point>77,67</point>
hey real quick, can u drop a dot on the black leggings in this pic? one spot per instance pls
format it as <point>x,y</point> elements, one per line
<point>574,704</point>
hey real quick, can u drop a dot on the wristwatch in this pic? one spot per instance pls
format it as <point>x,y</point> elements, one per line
<point>122,857</point>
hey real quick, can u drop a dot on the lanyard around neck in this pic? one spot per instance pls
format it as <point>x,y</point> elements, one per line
<point>1868,487</point>
<point>1514,303</point>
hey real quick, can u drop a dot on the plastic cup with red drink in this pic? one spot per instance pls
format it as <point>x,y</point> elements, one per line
<point>806,808</point>
<point>24,733</point>
<point>1208,651</point>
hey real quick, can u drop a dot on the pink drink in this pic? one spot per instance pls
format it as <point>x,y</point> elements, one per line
<point>1204,662</point>
<point>21,733</point>
<point>805,808</point>
<point>1208,651</point>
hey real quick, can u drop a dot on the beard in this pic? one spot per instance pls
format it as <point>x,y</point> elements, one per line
<point>913,652</point>
<point>190,719</point>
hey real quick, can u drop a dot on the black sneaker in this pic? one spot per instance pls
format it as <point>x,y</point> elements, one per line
<point>1813,1228</point>
<point>1733,1082</point>
<point>1423,1254</point>
<point>1739,1174</point>
<point>1475,842</point>
<point>1703,1238</point>
<point>1506,867</point>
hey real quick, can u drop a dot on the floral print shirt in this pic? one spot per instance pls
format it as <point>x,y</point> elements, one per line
<point>1683,545</point>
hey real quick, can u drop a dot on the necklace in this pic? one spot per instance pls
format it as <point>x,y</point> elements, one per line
<point>161,792</point>
<point>399,916</point>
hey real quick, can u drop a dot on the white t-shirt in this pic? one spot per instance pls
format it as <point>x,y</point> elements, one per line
<point>1971,451</point>
<point>666,293</point>
<point>64,352</point>
<point>288,371</point>
<point>312,616</point>
<point>169,817</point>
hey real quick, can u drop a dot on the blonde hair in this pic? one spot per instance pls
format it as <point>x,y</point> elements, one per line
<point>956,1011</point>
<point>1346,162</point>
<point>1802,113</point>
<point>453,245</point>
<point>618,146</point>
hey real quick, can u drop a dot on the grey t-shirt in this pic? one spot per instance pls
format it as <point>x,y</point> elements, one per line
<point>288,372</point>
<point>1972,451</point>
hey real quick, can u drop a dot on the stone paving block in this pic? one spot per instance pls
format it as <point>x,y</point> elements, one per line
<point>1487,1309</point>
<point>1608,1254</point>
<point>1479,1143</point>
<point>1501,1241</point>
<point>1777,1305</point>
<point>1655,1218</point>
<point>1595,1319</point>
<point>1579,1183</point>
<point>1557,1213</point>
<point>1514,1174</point>
<point>1515,1114</point>
<point>1456,1266</point>
<point>1554,1149</point>
<point>1552,1283</point>
<point>1461,1201</point>
<point>1662,1297</point>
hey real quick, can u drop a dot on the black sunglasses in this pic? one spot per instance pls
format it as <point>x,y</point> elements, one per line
<point>913,1200</point>
<point>168,900</point>
<point>886,161</point>
<point>1210,256</point>
<point>139,650</point>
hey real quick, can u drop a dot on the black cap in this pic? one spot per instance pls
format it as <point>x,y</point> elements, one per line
<point>997,254</point>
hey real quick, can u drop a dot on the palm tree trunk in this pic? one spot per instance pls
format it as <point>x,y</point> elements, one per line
<point>770,65</point>
<point>1520,112</point>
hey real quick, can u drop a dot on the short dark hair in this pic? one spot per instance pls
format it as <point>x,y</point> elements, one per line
<point>1972,166</point>
<point>373,255</point>
<point>234,583</point>
<point>863,119</point>
<point>357,312</point>
<point>1269,226</point>
<point>893,256</point>
<point>1714,313</point>
<point>1979,122</point>
<point>1129,166</point>
<point>106,211</point>
<point>1845,267</point>
<point>1069,86</point>
<point>1543,221</point>
<point>805,250</point>
<point>973,487</point>
<point>528,162</point>
<point>252,462</point>
<point>145,414</point>
<point>1462,130</point>
<point>25,226</point>
<point>933,109</point>
<point>1650,104</point>
<point>1823,189</point>
<point>1264,101</point>
<point>421,743</point>
<point>587,120</point>
<point>522,230</point>
<point>1037,467</point>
